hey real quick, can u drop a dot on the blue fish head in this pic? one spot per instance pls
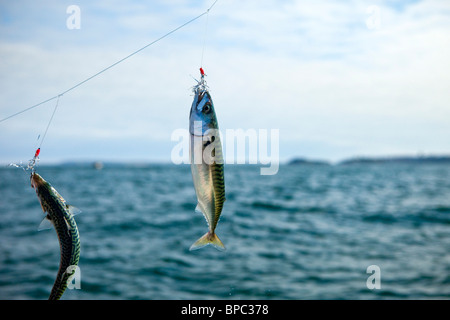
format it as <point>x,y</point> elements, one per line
<point>202,117</point>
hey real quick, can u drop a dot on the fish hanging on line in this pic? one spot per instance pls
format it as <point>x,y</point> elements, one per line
<point>60,215</point>
<point>206,163</point>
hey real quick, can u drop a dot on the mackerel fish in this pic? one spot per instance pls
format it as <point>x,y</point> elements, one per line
<point>206,164</point>
<point>60,216</point>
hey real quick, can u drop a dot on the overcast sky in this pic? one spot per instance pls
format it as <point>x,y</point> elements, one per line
<point>337,78</point>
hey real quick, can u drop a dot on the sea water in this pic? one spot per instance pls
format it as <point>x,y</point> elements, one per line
<point>308,232</point>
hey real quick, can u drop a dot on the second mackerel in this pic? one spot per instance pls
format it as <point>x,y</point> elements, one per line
<point>60,215</point>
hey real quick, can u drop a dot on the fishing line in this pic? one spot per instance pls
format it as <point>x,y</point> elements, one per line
<point>33,162</point>
<point>48,125</point>
<point>205,33</point>
<point>204,39</point>
<point>111,66</point>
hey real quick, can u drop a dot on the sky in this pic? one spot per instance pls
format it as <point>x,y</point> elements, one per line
<point>337,79</point>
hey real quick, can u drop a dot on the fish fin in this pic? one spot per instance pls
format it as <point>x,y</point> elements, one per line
<point>198,209</point>
<point>208,238</point>
<point>45,224</point>
<point>73,210</point>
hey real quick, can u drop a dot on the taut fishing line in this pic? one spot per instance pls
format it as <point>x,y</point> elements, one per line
<point>204,36</point>
<point>202,82</point>
<point>50,121</point>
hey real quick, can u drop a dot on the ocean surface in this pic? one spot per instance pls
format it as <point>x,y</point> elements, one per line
<point>308,232</point>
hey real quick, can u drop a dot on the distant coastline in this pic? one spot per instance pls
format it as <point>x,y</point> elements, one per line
<point>304,161</point>
<point>99,165</point>
<point>375,160</point>
<point>404,159</point>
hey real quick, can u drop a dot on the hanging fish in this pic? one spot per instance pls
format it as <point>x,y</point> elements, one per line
<point>206,163</point>
<point>60,215</point>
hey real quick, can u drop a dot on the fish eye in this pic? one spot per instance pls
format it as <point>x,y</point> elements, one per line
<point>207,107</point>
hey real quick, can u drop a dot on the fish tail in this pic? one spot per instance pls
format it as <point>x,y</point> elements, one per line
<point>208,238</point>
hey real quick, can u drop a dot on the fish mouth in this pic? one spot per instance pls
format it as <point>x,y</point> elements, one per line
<point>201,94</point>
<point>36,180</point>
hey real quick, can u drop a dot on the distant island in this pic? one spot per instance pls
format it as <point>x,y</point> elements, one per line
<point>374,160</point>
<point>404,159</point>
<point>304,161</point>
